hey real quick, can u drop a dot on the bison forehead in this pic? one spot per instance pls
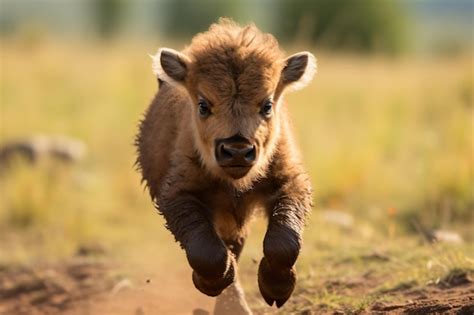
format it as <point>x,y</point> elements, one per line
<point>233,76</point>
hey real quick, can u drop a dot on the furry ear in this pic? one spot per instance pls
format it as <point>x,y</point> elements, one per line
<point>299,70</point>
<point>170,66</point>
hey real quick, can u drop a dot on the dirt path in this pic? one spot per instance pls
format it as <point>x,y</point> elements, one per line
<point>453,295</point>
<point>50,289</point>
<point>432,300</point>
<point>87,288</point>
<point>83,288</point>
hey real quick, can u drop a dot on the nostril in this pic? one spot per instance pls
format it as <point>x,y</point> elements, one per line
<point>225,153</point>
<point>251,154</point>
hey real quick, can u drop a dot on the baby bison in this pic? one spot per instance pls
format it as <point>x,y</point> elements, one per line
<point>215,146</point>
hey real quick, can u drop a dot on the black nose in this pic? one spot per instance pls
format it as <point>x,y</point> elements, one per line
<point>235,152</point>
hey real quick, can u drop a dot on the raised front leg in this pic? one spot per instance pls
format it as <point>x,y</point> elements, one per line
<point>282,243</point>
<point>213,264</point>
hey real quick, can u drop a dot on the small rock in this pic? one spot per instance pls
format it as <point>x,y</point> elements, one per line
<point>446,237</point>
<point>39,147</point>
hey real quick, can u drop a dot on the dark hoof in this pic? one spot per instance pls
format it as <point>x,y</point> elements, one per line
<point>214,287</point>
<point>275,286</point>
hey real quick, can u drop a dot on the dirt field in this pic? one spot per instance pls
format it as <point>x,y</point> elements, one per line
<point>86,287</point>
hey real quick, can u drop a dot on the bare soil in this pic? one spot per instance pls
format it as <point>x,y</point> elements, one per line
<point>432,300</point>
<point>51,289</point>
<point>84,287</point>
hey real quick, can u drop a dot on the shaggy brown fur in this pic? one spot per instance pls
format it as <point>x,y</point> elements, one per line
<point>214,92</point>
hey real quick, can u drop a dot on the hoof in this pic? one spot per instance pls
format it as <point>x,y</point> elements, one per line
<point>275,286</point>
<point>213,287</point>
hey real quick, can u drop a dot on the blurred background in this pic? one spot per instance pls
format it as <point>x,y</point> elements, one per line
<point>386,129</point>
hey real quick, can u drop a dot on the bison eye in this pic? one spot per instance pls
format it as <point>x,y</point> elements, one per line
<point>204,108</point>
<point>266,109</point>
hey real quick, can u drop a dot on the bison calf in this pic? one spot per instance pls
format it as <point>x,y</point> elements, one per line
<point>215,145</point>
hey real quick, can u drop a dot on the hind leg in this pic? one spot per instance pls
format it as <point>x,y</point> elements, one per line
<point>232,300</point>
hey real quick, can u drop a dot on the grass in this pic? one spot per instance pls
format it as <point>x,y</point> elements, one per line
<point>349,269</point>
<point>388,141</point>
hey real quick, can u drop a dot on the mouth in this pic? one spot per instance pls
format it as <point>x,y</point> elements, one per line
<point>236,171</point>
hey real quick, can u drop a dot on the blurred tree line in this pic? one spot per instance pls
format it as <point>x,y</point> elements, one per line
<point>367,25</point>
<point>108,16</point>
<point>389,26</point>
<point>362,25</point>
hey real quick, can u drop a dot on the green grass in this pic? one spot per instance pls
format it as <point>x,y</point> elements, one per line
<point>387,140</point>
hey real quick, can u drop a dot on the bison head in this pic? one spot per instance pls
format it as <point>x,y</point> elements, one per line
<point>235,78</point>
